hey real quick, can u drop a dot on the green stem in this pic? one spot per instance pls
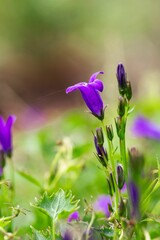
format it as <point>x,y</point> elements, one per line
<point>89,226</point>
<point>112,161</point>
<point>124,157</point>
<point>53,231</point>
<point>13,180</point>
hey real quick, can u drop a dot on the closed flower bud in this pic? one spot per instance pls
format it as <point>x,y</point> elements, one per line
<point>118,122</point>
<point>99,135</point>
<point>112,181</point>
<point>109,188</point>
<point>101,153</point>
<point>122,207</point>
<point>122,79</point>
<point>136,161</point>
<point>121,106</point>
<point>110,133</point>
<point>120,177</point>
<point>129,91</point>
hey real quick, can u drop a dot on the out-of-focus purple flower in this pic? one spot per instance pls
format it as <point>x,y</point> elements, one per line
<point>90,93</point>
<point>6,134</point>
<point>134,198</point>
<point>143,127</point>
<point>102,204</point>
<point>67,235</point>
<point>74,216</point>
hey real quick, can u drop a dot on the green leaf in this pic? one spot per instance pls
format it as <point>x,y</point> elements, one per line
<point>130,110</point>
<point>41,235</point>
<point>106,232</point>
<point>56,204</point>
<point>4,223</point>
<point>29,178</point>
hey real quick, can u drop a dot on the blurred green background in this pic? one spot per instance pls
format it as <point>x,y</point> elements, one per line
<point>47,45</point>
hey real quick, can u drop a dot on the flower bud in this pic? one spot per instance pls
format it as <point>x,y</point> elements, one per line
<point>99,135</point>
<point>136,161</point>
<point>129,91</point>
<point>109,187</point>
<point>120,177</point>
<point>134,199</point>
<point>121,106</point>
<point>101,153</point>
<point>118,122</point>
<point>122,80</point>
<point>110,133</point>
<point>122,208</point>
<point>112,181</point>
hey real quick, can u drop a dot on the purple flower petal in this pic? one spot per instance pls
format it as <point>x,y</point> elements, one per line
<point>102,204</point>
<point>94,76</point>
<point>6,133</point>
<point>92,99</point>
<point>74,216</point>
<point>97,84</point>
<point>143,127</point>
<point>90,94</point>
<point>76,86</point>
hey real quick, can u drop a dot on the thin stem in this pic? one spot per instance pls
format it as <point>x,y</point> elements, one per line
<point>89,226</point>
<point>53,231</point>
<point>112,160</point>
<point>13,180</point>
<point>124,157</point>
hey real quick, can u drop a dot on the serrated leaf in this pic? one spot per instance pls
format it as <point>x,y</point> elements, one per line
<point>41,235</point>
<point>56,204</point>
<point>29,178</point>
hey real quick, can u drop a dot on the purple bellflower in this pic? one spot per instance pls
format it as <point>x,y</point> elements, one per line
<point>143,127</point>
<point>90,93</point>
<point>102,204</point>
<point>74,216</point>
<point>6,134</point>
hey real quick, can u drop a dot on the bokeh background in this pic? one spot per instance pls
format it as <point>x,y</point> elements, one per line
<point>47,45</point>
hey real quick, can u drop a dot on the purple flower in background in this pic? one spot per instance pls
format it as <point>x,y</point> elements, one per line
<point>102,204</point>
<point>90,93</point>
<point>74,216</point>
<point>134,198</point>
<point>143,127</point>
<point>67,236</point>
<point>6,134</point>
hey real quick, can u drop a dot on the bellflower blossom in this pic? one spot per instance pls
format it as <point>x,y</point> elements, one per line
<point>102,204</point>
<point>6,134</point>
<point>74,216</point>
<point>143,127</point>
<point>90,93</point>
